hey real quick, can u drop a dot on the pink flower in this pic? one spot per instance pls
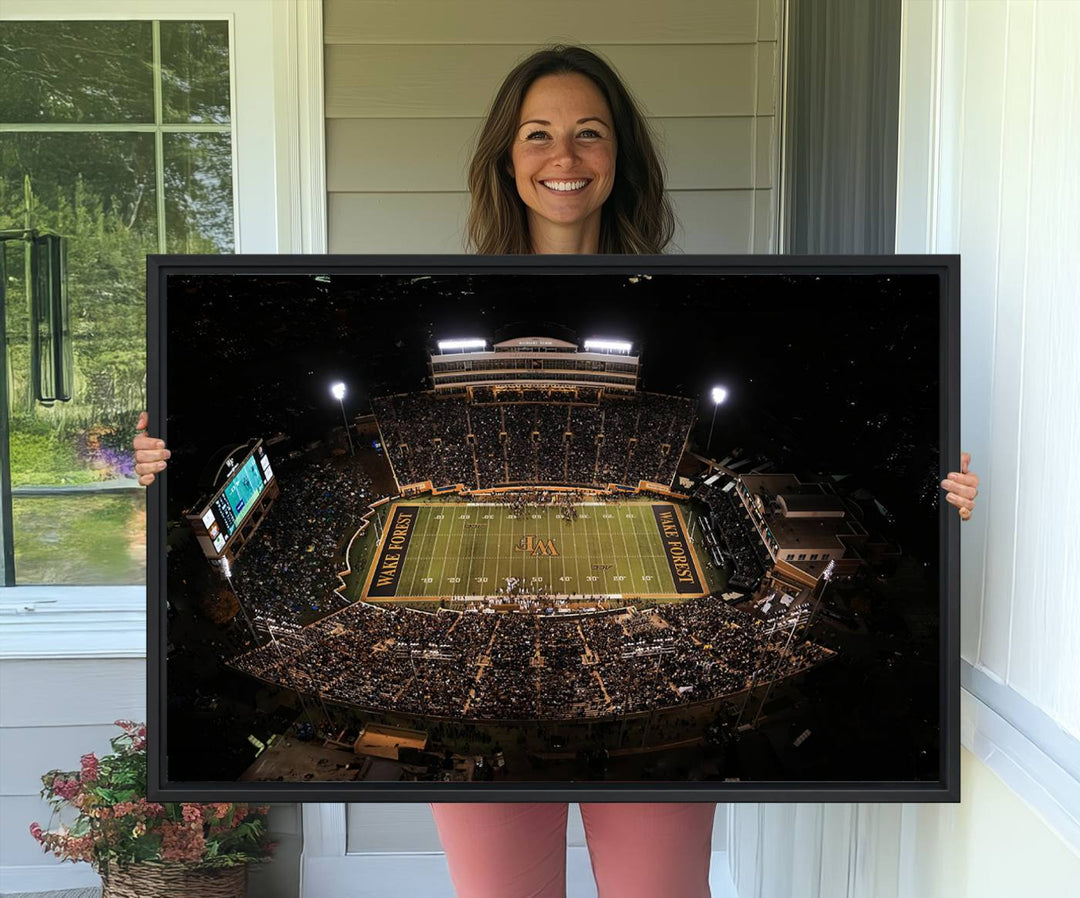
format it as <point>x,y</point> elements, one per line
<point>89,768</point>
<point>150,808</point>
<point>192,813</point>
<point>66,789</point>
<point>36,832</point>
<point>221,809</point>
<point>181,842</point>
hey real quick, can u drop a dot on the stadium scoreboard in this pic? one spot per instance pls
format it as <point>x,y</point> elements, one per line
<point>229,519</point>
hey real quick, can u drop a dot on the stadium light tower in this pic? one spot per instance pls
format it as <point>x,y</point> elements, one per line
<point>226,569</point>
<point>719,394</point>
<point>826,577</point>
<point>338,390</point>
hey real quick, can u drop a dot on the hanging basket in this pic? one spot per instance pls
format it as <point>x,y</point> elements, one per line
<point>174,881</point>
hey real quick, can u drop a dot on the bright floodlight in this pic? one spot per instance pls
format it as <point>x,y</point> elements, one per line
<point>338,391</point>
<point>608,345</point>
<point>470,343</point>
<point>719,394</point>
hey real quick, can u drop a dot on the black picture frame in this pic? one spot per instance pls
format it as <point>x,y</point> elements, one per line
<point>945,269</point>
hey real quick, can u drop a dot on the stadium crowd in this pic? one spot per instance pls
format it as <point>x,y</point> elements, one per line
<point>534,435</point>
<point>508,666</point>
<point>732,538</point>
<point>288,570</point>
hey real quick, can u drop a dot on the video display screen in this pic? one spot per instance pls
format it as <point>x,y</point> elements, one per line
<point>233,504</point>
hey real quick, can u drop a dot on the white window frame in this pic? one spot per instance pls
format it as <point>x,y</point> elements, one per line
<point>279,189</point>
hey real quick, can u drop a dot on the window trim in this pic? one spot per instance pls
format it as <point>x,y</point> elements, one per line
<point>279,206</point>
<point>1032,755</point>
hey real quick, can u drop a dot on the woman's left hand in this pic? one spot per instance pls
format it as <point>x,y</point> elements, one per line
<point>962,487</point>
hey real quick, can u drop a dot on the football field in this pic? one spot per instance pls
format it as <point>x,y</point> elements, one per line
<point>430,550</point>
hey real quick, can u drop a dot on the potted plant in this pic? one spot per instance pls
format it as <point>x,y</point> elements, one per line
<point>142,847</point>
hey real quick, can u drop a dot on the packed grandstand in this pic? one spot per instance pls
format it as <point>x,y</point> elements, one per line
<point>533,435</point>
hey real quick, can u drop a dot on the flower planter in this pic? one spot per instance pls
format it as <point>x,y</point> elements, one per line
<point>147,849</point>
<point>174,881</point>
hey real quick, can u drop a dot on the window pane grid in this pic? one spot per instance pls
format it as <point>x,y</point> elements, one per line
<point>182,74</point>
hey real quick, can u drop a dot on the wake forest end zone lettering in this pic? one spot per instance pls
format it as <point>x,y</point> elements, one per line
<point>677,550</point>
<point>387,570</point>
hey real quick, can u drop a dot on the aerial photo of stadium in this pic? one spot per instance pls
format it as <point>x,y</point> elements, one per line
<point>419,534</point>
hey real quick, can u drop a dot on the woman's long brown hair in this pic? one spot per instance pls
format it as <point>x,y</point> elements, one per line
<point>637,216</point>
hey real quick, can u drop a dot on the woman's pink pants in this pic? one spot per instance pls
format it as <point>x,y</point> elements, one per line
<point>650,850</point>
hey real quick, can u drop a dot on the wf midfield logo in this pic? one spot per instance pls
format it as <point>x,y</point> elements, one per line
<point>530,545</point>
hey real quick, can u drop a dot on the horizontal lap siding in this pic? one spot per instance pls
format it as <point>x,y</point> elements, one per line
<point>519,22</point>
<point>459,81</point>
<point>380,155</point>
<point>408,83</point>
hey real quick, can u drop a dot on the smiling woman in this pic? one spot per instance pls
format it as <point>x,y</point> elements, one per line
<point>562,117</point>
<point>563,162</point>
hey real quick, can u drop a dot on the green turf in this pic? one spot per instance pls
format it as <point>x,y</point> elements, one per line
<point>470,550</point>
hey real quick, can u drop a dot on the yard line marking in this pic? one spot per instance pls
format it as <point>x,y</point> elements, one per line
<point>441,582</point>
<point>465,528</point>
<point>422,562</point>
<point>563,588</point>
<point>578,582</point>
<point>486,572</point>
<point>524,526</point>
<point>435,532</point>
<point>457,554</point>
<point>614,551</point>
<point>599,551</point>
<point>645,544</point>
<point>626,550</point>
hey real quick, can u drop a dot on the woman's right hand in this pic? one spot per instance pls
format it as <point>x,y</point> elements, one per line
<point>150,453</point>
